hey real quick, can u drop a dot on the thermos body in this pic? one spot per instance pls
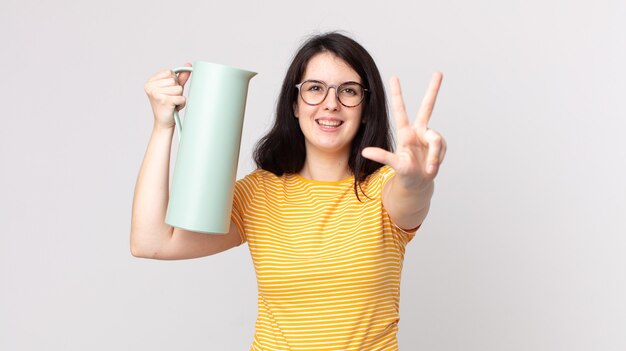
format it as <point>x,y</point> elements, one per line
<point>205,171</point>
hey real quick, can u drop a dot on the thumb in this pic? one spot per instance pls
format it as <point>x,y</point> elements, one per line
<point>184,76</point>
<point>379,155</point>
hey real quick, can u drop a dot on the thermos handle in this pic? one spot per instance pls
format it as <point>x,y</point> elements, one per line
<point>179,126</point>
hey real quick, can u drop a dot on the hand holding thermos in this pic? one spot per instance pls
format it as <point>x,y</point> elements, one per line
<point>201,192</point>
<point>165,92</point>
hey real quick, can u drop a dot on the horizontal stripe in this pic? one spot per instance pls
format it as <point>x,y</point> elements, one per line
<point>328,266</point>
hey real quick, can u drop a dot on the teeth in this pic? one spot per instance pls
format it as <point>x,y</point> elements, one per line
<point>327,123</point>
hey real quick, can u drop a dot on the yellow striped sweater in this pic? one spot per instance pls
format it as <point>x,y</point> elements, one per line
<point>328,266</point>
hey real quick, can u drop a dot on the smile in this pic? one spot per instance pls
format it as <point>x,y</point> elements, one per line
<point>329,123</point>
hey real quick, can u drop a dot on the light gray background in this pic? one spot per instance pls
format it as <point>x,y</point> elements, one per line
<point>523,248</point>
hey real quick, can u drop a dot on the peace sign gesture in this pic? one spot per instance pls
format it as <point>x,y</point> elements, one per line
<point>420,150</point>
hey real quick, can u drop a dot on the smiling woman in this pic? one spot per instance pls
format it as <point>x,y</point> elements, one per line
<point>331,59</point>
<point>328,126</point>
<point>329,211</point>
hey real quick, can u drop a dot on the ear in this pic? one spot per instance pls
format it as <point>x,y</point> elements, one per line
<point>295,108</point>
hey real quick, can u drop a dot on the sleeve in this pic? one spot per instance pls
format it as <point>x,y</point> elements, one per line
<point>405,235</point>
<point>243,195</point>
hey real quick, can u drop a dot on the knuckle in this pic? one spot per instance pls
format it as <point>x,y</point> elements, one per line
<point>437,144</point>
<point>434,136</point>
<point>152,93</point>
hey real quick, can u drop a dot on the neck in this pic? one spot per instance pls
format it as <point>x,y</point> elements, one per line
<point>325,168</point>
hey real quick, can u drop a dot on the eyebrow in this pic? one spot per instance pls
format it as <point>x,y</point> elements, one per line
<point>323,81</point>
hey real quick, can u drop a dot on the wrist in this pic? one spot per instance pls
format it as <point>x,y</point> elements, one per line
<point>159,128</point>
<point>415,185</point>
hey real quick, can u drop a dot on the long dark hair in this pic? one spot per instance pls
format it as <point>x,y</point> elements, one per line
<point>282,149</point>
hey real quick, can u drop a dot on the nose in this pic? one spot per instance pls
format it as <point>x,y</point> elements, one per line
<point>331,102</point>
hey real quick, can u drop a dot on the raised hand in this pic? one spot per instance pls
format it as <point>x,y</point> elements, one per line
<point>420,150</point>
<point>165,92</point>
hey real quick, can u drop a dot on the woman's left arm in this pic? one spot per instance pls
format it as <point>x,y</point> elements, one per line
<point>420,152</point>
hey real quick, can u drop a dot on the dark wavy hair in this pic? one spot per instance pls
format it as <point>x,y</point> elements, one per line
<point>282,149</point>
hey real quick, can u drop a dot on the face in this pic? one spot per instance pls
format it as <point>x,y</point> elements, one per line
<point>328,127</point>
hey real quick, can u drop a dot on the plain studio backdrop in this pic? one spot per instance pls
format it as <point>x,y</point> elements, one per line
<point>524,245</point>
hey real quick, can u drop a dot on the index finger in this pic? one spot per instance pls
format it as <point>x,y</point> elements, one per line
<point>428,103</point>
<point>160,75</point>
<point>397,103</point>
<point>184,75</point>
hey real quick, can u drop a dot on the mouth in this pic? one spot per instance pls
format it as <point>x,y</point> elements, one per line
<point>328,123</point>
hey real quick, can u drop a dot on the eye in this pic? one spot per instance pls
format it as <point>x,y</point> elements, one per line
<point>350,89</point>
<point>314,87</point>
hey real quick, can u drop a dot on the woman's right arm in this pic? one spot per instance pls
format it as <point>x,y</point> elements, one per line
<point>150,236</point>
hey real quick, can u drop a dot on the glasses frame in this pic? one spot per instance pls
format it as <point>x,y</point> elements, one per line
<point>328,89</point>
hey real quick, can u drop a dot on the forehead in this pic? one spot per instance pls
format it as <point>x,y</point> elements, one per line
<point>329,68</point>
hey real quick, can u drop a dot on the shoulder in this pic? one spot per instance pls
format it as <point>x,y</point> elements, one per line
<point>377,180</point>
<point>259,185</point>
<point>257,179</point>
<point>383,174</point>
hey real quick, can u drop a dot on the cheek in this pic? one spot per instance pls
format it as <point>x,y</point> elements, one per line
<point>359,114</point>
<point>304,110</point>
<point>299,109</point>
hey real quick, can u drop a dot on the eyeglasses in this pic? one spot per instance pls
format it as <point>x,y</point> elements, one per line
<point>349,94</point>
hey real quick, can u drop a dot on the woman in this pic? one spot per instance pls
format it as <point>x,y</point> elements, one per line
<point>328,212</point>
